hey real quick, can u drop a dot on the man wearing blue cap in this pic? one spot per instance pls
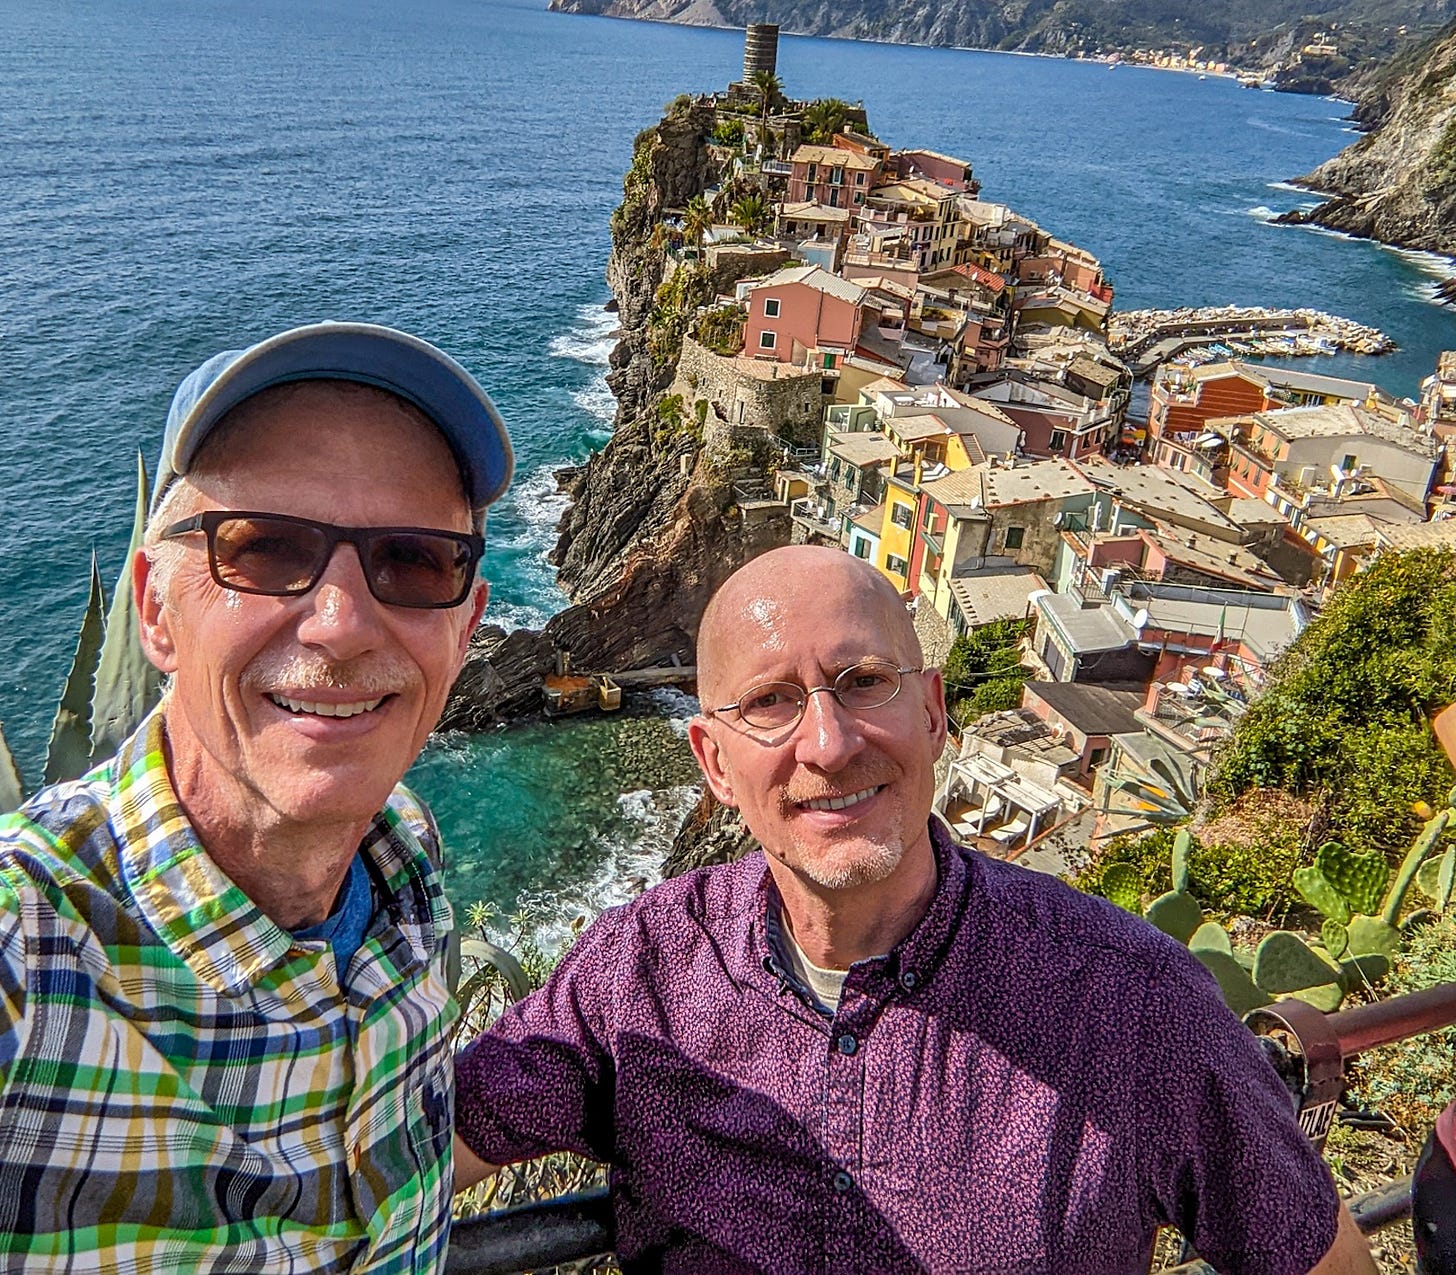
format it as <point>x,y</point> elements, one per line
<point>224,1020</point>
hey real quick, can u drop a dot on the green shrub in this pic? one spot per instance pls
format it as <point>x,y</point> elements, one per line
<point>1412,1081</point>
<point>1343,715</point>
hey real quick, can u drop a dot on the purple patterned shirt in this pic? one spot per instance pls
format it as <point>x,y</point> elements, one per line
<point>1031,1080</point>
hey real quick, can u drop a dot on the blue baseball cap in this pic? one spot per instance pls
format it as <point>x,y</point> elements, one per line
<point>364,352</point>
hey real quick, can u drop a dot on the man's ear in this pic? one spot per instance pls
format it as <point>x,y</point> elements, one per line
<point>154,629</point>
<point>477,609</point>
<point>710,760</point>
<point>936,715</point>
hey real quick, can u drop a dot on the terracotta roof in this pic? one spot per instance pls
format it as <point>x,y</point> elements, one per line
<point>832,155</point>
<point>815,277</point>
<point>986,278</point>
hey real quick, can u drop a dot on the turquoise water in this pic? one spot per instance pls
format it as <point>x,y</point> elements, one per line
<point>185,175</point>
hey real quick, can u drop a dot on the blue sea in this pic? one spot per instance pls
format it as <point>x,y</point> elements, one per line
<point>182,176</point>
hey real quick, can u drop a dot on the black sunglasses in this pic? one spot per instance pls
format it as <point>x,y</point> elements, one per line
<point>283,557</point>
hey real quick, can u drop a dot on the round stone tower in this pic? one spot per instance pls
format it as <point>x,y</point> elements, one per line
<point>760,49</point>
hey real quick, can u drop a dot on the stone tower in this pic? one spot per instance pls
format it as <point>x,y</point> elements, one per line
<point>760,49</point>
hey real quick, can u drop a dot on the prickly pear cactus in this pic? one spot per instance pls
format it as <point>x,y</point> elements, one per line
<point>1123,886</point>
<point>1360,878</point>
<point>1370,936</point>
<point>1436,877</point>
<point>1182,844</point>
<point>1176,913</point>
<point>1315,889</point>
<point>1336,937</point>
<point>1284,963</point>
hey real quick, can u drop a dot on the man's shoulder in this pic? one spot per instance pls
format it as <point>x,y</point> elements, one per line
<point>62,833</point>
<point>1043,921</point>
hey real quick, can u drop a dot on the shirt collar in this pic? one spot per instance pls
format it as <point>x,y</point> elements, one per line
<point>198,911</point>
<point>919,954</point>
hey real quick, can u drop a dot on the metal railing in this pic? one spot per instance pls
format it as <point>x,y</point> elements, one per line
<point>1309,1050</point>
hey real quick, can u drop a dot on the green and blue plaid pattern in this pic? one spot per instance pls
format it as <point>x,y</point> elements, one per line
<point>183,1087</point>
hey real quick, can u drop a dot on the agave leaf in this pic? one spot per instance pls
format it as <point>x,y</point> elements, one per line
<point>12,787</point>
<point>69,753</point>
<point>127,685</point>
<point>516,979</point>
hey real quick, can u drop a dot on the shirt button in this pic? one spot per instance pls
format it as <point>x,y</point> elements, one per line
<point>908,980</point>
<point>842,1182</point>
<point>847,1045</point>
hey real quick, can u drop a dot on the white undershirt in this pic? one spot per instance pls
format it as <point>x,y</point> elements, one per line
<point>827,985</point>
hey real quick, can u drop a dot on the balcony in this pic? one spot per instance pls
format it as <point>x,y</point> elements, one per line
<point>810,515</point>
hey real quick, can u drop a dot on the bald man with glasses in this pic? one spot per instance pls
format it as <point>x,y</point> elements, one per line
<point>225,1023</point>
<point>866,1048</point>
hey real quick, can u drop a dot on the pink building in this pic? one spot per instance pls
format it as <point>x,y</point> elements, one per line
<point>803,315</point>
<point>945,169</point>
<point>832,176</point>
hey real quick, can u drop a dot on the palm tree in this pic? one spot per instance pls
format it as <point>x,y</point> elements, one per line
<point>752,212</point>
<point>697,220</point>
<point>825,117</point>
<point>770,91</point>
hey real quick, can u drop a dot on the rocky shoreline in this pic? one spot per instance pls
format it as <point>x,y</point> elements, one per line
<point>652,528</point>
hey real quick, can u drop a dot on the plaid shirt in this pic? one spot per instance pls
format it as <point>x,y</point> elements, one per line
<point>183,1087</point>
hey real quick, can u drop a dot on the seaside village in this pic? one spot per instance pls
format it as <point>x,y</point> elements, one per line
<point>949,399</point>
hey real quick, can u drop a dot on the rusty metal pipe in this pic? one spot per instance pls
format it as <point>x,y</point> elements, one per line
<point>1385,1022</point>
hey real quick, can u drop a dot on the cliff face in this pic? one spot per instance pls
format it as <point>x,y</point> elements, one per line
<point>1398,184</point>
<point>653,527</point>
<point>1229,30</point>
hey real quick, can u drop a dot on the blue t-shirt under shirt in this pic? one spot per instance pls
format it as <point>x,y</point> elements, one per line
<point>344,928</point>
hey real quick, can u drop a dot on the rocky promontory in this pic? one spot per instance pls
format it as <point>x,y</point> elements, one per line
<point>653,527</point>
<point>1398,183</point>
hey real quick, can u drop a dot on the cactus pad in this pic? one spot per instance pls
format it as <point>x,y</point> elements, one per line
<point>1122,885</point>
<point>1372,937</point>
<point>1315,889</point>
<point>1364,970</point>
<point>1360,878</point>
<point>1436,877</point>
<point>1182,844</point>
<point>1285,963</point>
<point>1211,937</point>
<point>1335,937</point>
<point>1176,913</point>
<point>1239,991</point>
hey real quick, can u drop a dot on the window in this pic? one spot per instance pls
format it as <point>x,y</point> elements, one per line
<point>767,340</point>
<point>1349,464</point>
<point>1059,440</point>
<point>770,307</point>
<point>829,362</point>
<point>901,516</point>
<point>928,522</point>
<point>861,548</point>
<point>834,196</point>
<point>1014,537</point>
<point>895,566</point>
<point>813,172</point>
<point>859,179</point>
<point>836,176</point>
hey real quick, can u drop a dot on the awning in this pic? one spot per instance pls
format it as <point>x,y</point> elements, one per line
<point>1208,440</point>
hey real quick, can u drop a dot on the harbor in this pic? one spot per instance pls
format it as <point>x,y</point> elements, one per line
<point>1145,338</point>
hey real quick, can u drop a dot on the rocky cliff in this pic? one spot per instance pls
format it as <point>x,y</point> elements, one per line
<point>1398,183</point>
<point>653,528</point>
<point>1262,35</point>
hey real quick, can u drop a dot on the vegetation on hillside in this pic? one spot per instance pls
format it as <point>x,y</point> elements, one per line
<point>1343,720</point>
<point>983,672</point>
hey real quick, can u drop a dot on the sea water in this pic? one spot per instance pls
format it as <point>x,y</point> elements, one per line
<point>184,176</point>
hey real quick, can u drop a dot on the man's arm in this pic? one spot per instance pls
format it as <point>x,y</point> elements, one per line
<point>1349,1254</point>
<point>470,1168</point>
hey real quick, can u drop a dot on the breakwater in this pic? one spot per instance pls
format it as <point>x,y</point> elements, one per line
<point>1145,338</point>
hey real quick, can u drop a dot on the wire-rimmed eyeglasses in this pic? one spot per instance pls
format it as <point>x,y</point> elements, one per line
<point>280,556</point>
<point>779,705</point>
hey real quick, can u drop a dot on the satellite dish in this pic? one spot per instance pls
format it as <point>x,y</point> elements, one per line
<point>1056,520</point>
<point>1141,618</point>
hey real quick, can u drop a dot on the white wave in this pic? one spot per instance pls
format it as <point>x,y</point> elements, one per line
<point>590,339</point>
<point>1262,212</point>
<point>596,399</point>
<point>536,506</point>
<point>677,706</point>
<point>1428,263</point>
<point>516,615</point>
<point>630,864</point>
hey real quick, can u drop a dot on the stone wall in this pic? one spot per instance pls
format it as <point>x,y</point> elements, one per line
<point>748,394</point>
<point>934,633</point>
